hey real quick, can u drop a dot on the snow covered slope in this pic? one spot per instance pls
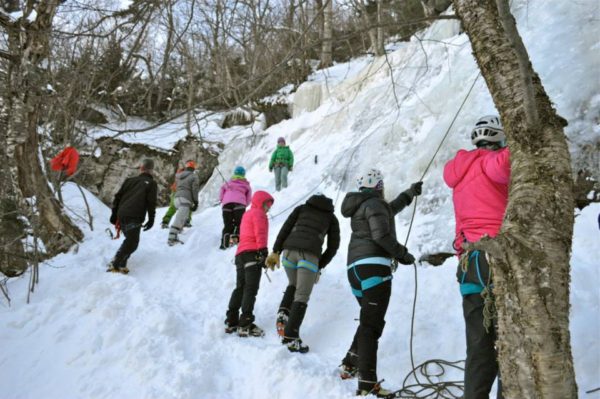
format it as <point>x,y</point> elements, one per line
<point>157,333</point>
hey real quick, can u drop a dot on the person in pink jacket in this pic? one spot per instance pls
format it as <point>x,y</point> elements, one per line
<point>249,260</point>
<point>479,181</point>
<point>235,196</point>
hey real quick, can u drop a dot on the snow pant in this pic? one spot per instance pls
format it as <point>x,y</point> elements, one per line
<point>373,307</point>
<point>232,217</point>
<point>281,173</point>
<point>171,211</point>
<point>130,227</point>
<point>481,366</point>
<point>183,213</point>
<point>248,272</point>
<point>302,269</point>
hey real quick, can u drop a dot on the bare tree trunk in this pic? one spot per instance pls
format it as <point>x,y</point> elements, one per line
<point>379,46</point>
<point>12,255</point>
<point>530,256</point>
<point>166,57</point>
<point>327,35</point>
<point>28,46</point>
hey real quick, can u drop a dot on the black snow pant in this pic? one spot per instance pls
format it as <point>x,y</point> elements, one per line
<point>232,217</point>
<point>373,307</point>
<point>481,366</point>
<point>130,227</point>
<point>248,273</point>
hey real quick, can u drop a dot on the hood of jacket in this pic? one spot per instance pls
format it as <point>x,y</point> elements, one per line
<point>353,201</point>
<point>185,173</point>
<point>458,167</point>
<point>321,202</point>
<point>259,198</point>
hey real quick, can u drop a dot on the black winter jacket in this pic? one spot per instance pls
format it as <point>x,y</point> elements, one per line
<point>306,227</point>
<point>373,225</point>
<point>136,197</point>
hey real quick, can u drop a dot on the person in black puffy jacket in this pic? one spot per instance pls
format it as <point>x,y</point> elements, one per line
<point>136,197</point>
<point>372,251</point>
<point>300,242</point>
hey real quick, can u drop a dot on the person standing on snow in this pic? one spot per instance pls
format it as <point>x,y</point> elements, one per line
<point>372,252</point>
<point>249,261</point>
<point>282,162</point>
<point>479,180</point>
<point>235,196</point>
<point>186,200</point>
<point>136,197</point>
<point>172,209</point>
<point>301,239</point>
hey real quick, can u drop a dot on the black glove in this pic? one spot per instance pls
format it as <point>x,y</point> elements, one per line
<point>406,259</point>
<point>194,207</point>
<point>261,256</point>
<point>416,188</point>
<point>149,224</point>
<point>113,216</point>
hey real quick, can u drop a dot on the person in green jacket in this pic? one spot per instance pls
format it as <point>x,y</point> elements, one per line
<point>282,162</point>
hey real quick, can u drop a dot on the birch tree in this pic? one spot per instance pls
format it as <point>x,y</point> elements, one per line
<point>530,256</point>
<point>28,191</point>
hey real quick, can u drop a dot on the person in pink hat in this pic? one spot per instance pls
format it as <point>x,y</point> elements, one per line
<point>235,196</point>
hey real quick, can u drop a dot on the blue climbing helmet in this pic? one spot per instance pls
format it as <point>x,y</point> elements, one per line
<point>239,171</point>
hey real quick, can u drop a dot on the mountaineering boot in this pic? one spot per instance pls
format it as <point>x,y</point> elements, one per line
<point>251,330</point>
<point>295,345</point>
<point>174,241</point>
<point>292,328</point>
<point>376,391</point>
<point>113,269</point>
<point>291,332</point>
<point>230,328</point>
<point>224,241</point>
<point>282,319</point>
<point>284,308</point>
<point>347,371</point>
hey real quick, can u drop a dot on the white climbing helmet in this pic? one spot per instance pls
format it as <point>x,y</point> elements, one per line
<point>372,178</point>
<point>488,128</point>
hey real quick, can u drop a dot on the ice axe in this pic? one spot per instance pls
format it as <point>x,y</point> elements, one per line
<point>435,259</point>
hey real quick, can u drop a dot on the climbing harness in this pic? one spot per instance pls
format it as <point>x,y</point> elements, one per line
<point>371,281</point>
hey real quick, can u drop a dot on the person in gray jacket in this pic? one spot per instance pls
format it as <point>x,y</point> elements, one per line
<point>186,200</point>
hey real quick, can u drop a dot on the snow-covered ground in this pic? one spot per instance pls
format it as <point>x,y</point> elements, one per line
<point>158,332</point>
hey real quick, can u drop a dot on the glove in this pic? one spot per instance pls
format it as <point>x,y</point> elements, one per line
<point>290,169</point>
<point>148,224</point>
<point>113,216</point>
<point>416,188</point>
<point>194,207</point>
<point>406,259</point>
<point>261,255</point>
<point>273,261</point>
<point>270,169</point>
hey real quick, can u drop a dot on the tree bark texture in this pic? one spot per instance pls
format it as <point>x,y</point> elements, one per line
<point>530,257</point>
<point>12,256</point>
<point>327,37</point>
<point>29,45</point>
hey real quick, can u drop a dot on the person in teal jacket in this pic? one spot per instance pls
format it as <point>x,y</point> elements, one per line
<point>282,162</point>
